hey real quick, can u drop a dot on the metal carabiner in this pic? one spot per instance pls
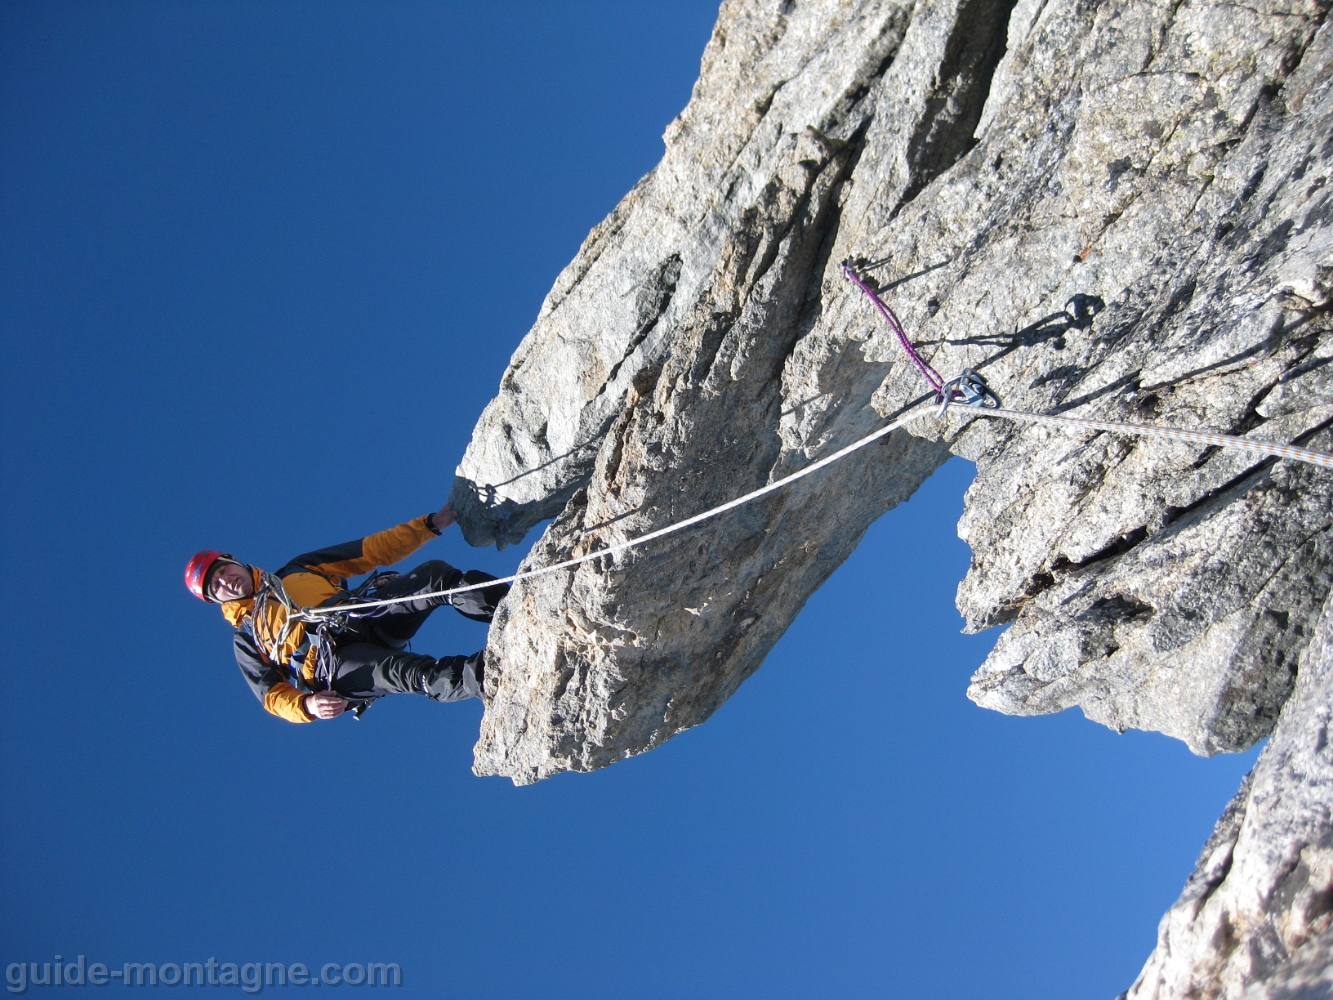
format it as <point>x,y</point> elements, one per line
<point>970,389</point>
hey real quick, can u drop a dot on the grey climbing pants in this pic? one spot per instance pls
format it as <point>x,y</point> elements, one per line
<point>366,671</point>
<point>370,659</point>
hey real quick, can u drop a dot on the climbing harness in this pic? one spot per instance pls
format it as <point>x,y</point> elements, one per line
<point>332,621</point>
<point>967,391</point>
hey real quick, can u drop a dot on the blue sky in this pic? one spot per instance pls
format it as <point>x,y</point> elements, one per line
<point>261,266</point>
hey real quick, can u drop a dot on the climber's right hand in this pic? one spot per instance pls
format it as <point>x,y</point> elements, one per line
<point>324,705</point>
<point>444,517</point>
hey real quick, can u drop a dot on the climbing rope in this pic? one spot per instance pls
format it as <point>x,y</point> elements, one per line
<point>1170,434</point>
<point>923,366</point>
<point>971,388</point>
<point>1139,430</point>
<point>314,614</point>
<point>968,393</point>
<point>271,589</point>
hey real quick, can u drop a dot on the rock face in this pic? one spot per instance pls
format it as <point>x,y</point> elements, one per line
<point>1258,910</point>
<point>1119,210</point>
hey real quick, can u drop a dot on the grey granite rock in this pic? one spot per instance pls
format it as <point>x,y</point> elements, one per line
<point>1117,209</point>
<point>1256,918</point>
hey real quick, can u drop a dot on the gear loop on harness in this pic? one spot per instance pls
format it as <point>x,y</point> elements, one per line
<point>271,589</point>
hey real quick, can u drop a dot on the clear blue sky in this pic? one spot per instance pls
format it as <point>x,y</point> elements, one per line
<point>261,266</point>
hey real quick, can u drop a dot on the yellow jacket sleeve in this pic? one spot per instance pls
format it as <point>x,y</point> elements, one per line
<point>384,548</point>
<point>286,702</point>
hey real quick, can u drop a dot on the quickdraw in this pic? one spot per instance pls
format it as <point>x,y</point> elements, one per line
<point>969,388</point>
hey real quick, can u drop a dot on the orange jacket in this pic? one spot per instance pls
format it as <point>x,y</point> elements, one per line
<point>309,580</point>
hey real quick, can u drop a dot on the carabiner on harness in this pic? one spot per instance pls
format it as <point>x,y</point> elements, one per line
<point>970,389</point>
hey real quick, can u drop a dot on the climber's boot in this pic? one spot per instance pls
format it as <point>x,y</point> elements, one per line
<point>453,678</point>
<point>479,604</point>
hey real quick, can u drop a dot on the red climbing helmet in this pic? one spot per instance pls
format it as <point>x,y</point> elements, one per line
<point>196,572</point>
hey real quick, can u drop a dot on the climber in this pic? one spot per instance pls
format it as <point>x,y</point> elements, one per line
<point>301,672</point>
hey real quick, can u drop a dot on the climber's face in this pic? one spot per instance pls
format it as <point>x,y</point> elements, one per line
<point>231,582</point>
